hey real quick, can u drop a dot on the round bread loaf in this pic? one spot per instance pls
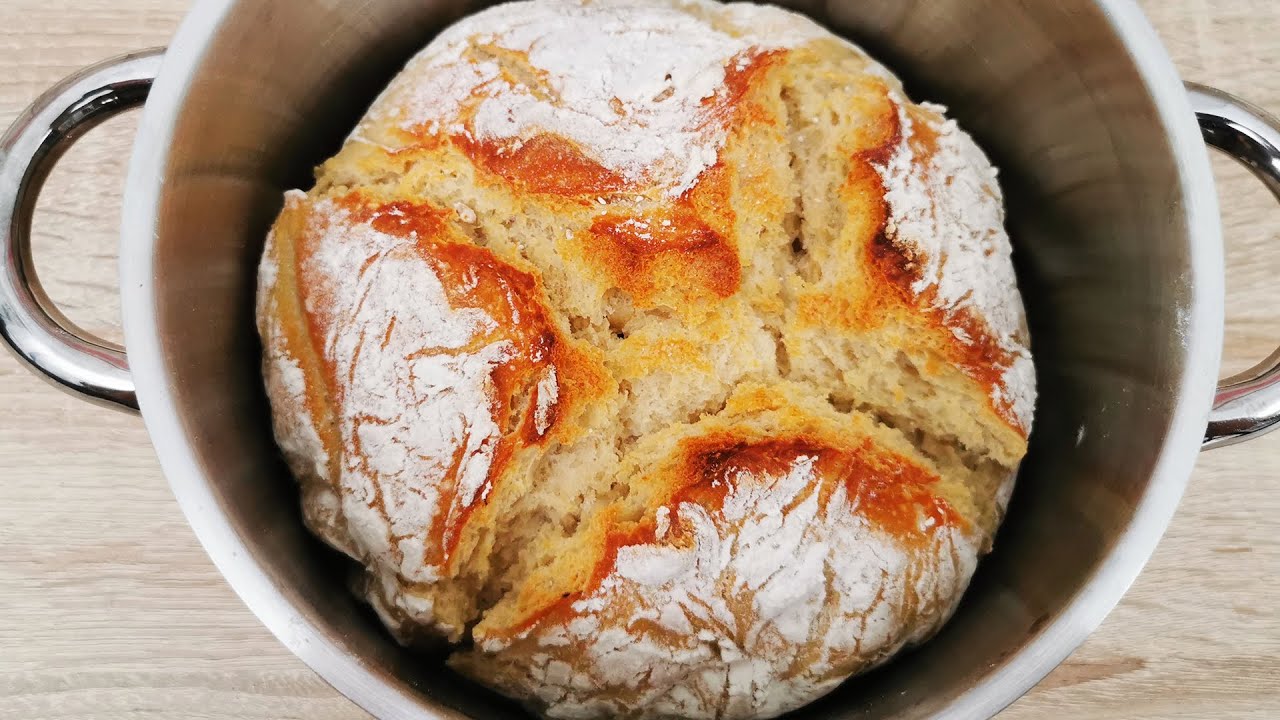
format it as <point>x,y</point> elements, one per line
<point>661,355</point>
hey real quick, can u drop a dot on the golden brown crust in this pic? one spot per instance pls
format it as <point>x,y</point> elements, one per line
<point>670,255</point>
<point>546,164</point>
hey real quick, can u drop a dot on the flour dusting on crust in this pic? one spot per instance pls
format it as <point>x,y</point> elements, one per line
<point>415,396</point>
<point>946,211</point>
<point>632,83</point>
<point>790,554</point>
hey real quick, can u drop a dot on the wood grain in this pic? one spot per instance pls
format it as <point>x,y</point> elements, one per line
<point>110,610</point>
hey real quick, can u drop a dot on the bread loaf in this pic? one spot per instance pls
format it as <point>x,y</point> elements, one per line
<point>663,356</point>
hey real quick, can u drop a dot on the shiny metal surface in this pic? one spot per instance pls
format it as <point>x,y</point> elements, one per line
<point>1249,403</point>
<point>37,333</point>
<point>1114,219</point>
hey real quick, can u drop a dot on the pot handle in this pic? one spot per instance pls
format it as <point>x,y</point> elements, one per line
<point>1248,404</point>
<point>41,336</point>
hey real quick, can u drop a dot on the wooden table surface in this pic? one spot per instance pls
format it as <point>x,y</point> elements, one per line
<point>110,610</point>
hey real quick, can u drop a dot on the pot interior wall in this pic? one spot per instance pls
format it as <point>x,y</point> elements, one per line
<point>1101,248</point>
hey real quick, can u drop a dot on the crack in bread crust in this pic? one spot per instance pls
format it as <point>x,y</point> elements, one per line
<point>697,440</point>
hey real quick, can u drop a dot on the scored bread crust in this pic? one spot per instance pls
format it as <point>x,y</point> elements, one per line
<point>664,351</point>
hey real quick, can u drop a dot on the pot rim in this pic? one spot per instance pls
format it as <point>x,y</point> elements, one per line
<point>367,689</point>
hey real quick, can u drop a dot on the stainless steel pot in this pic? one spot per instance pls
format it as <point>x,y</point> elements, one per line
<point>1111,206</point>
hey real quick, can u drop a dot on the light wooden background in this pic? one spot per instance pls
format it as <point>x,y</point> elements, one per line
<point>109,609</point>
